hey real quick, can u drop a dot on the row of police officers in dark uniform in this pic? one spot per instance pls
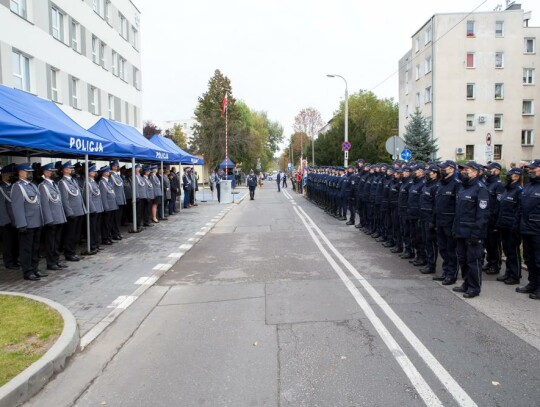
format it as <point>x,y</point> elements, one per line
<point>52,208</point>
<point>465,213</point>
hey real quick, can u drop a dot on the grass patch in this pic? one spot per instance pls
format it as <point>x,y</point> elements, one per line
<point>28,329</point>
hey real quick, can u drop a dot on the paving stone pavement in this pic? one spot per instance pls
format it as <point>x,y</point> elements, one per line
<point>88,288</point>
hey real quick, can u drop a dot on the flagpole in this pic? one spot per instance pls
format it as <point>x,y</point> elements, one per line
<point>226,139</point>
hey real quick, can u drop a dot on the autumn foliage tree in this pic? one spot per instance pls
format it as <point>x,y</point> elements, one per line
<point>309,122</point>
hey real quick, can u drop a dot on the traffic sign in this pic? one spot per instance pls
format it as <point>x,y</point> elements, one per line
<point>394,145</point>
<point>289,166</point>
<point>488,139</point>
<point>406,154</point>
<point>346,146</point>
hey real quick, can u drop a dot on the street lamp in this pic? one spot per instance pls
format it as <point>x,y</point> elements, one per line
<point>345,153</point>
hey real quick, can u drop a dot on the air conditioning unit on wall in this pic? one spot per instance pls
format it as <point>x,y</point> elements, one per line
<point>460,150</point>
<point>481,119</point>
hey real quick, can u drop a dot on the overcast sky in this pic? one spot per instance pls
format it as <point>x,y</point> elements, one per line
<point>277,52</point>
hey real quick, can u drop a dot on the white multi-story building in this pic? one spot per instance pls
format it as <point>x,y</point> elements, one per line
<point>185,124</point>
<point>82,54</point>
<point>474,78</point>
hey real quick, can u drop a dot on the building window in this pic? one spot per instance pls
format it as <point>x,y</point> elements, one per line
<point>76,36</point>
<point>406,111</point>
<point>53,73</point>
<point>123,26</point>
<point>527,137</point>
<point>470,122</point>
<point>497,152</point>
<point>417,72</point>
<point>499,91</point>
<point>102,47</point>
<point>528,108</point>
<point>93,97</point>
<point>57,24</point>
<point>136,83</point>
<point>18,7</point>
<point>417,44</point>
<point>529,45</point>
<point>406,87</point>
<point>498,122</point>
<point>134,37</point>
<point>114,63</point>
<point>470,28</point>
<point>127,112</point>
<point>429,35</point>
<point>74,97</point>
<point>427,94</point>
<point>470,60</point>
<point>135,116</point>
<point>108,15</point>
<point>99,7</point>
<point>122,68</point>
<point>428,64</point>
<point>111,107</point>
<point>499,28</point>
<point>499,60</point>
<point>21,71</point>
<point>528,76</point>
<point>95,46</point>
<point>407,65</point>
<point>469,152</point>
<point>471,87</point>
<point>417,99</point>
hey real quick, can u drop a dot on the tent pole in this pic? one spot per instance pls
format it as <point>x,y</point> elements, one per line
<point>134,195</point>
<point>162,214</point>
<point>86,175</point>
<point>203,197</point>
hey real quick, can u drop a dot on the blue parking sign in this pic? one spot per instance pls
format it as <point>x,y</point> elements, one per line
<point>406,154</point>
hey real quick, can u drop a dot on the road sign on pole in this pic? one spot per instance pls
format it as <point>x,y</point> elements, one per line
<point>488,139</point>
<point>394,145</point>
<point>346,146</point>
<point>406,154</point>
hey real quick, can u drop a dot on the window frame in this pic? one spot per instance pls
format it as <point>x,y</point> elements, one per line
<point>111,106</point>
<point>470,122</point>
<point>55,90</point>
<point>93,103</point>
<point>497,155</point>
<point>57,14</point>
<point>471,32</point>
<point>417,99</point>
<point>428,64</point>
<point>121,67</point>
<point>23,69</point>
<point>95,49</point>
<point>499,85</point>
<point>102,54</point>
<point>533,41</point>
<point>499,60</point>
<point>473,87</point>
<point>428,95</point>
<point>528,101</point>
<point>22,11</point>
<point>122,26</point>
<point>417,72</point>
<point>74,97</point>
<point>428,35</point>
<point>114,63</point>
<point>527,135</point>
<point>473,55</point>
<point>75,40</point>
<point>469,152</point>
<point>499,116</point>
<point>497,35</point>
<point>528,73</point>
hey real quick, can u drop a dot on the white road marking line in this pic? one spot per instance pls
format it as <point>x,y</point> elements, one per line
<point>185,247</point>
<point>427,394</point>
<point>287,194</point>
<point>453,387</point>
<point>210,224</point>
<point>176,255</point>
<point>141,280</point>
<point>199,233</point>
<point>192,239</point>
<point>162,267</point>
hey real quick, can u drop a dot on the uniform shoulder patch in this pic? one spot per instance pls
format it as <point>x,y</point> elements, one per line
<point>483,204</point>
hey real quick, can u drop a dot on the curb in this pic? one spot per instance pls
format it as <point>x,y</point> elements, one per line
<point>30,381</point>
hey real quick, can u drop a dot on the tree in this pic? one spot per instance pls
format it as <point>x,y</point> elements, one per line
<point>309,122</point>
<point>176,134</point>
<point>150,128</point>
<point>418,138</point>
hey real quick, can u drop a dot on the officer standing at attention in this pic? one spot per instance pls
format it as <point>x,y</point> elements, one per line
<point>413,215</point>
<point>95,208</point>
<point>252,184</point>
<point>470,228</point>
<point>445,213</point>
<point>8,231</point>
<point>118,186</point>
<point>158,193</point>
<point>278,180</point>
<point>427,218</point>
<point>147,213</point>
<point>530,229</point>
<point>73,208</point>
<point>508,226</point>
<point>493,240</point>
<point>404,224</point>
<point>108,199</point>
<point>26,205</point>
<point>353,183</point>
<point>53,217</point>
<point>141,196</point>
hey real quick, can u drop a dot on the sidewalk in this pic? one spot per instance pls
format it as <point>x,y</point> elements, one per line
<point>96,285</point>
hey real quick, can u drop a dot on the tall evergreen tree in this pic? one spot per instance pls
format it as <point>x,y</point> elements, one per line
<point>418,138</point>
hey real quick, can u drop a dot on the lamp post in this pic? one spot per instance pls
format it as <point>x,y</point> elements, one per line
<point>345,153</point>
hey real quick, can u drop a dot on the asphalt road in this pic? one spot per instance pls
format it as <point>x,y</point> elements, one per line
<point>282,305</point>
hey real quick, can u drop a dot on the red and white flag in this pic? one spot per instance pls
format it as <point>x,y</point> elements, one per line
<point>224,105</point>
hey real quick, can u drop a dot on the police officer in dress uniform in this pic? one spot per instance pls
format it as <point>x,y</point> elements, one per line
<point>404,224</point>
<point>529,227</point>
<point>8,231</point>
<point>53,217</point>
<point>252,184</point>
<point>470,228</point>
<point>95,208</point>
<point>158,193</point>
<point>493,240</point>
<point>74,209</point>
<point>141,196</point>
<point>147,213</point>
<point>508,226</point>
<point>427,218</point>
<point>395,241</point>
<point>188,187</point>
<point>108,198</point>
<point>26,205</point>
<point>127,213</point>
<point>413,215</point>
<point>117,183</point>
<point>445,213</point>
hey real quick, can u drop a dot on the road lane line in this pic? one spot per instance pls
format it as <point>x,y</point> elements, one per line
<point>421,386</point>
<point>453,387</point>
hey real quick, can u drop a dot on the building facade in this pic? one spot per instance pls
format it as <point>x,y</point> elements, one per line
<point>474,78</point>
<point>82,54</point>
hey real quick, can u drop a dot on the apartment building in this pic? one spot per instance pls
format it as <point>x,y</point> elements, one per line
<point>474,78</point>
<point>82,54</point>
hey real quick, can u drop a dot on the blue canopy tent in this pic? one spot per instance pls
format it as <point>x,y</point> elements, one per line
<point>226,163</point>
<point>168,144</point>
<point>140,147</point>
<point>31,126</point>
